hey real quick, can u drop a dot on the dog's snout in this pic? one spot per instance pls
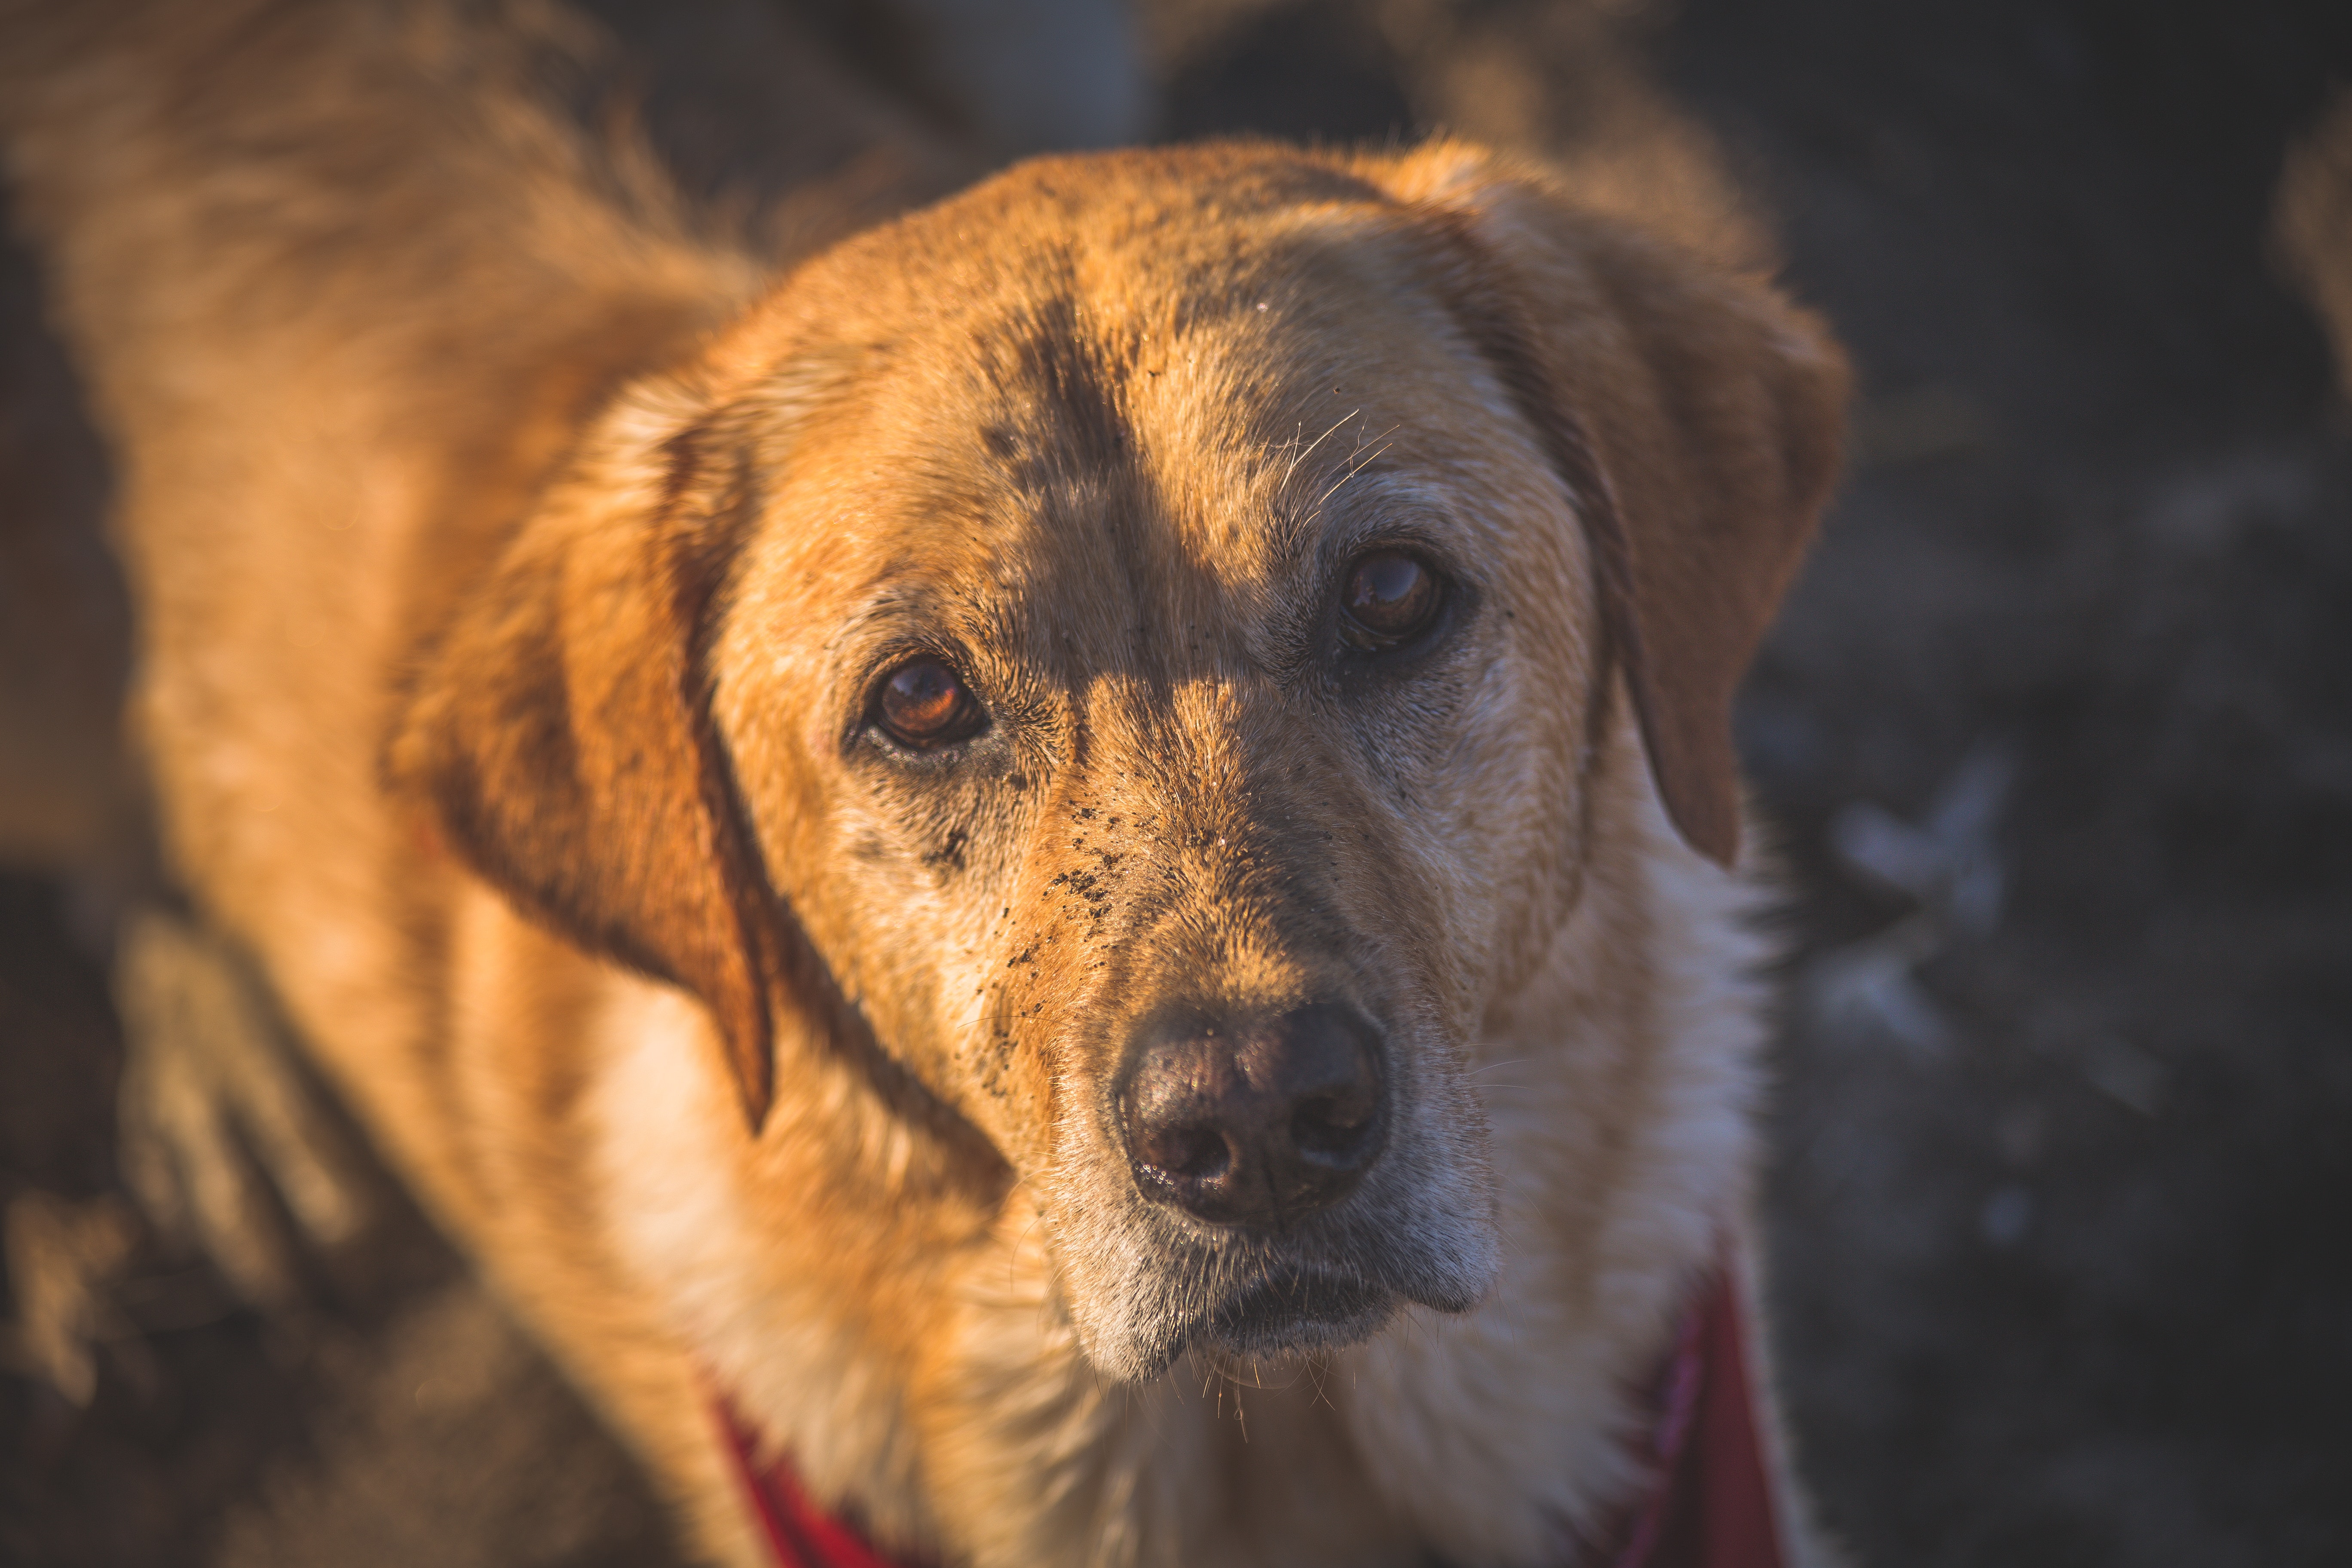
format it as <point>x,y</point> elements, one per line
<point>1256,1122</point>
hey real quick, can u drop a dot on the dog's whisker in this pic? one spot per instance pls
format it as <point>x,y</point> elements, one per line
<point>1492,1067</point>
<point>1300,457</point>
<point>1357,467</point>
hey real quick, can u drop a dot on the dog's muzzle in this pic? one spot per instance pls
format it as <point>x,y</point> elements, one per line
<point>1285,1184</point>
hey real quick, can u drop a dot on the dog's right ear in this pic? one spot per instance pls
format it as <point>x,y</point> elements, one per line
<point>561,730</point>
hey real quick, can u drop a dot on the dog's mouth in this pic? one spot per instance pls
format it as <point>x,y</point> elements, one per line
<point>1293,1312</point>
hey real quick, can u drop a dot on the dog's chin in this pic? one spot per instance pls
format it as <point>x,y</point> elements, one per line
<point>1140,1287</point>
<point>1294,1315</point>
<point>1277,1317</point>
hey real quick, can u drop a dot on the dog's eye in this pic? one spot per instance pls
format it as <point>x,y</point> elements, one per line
<point>926,704</point>
<point>1389,599</point>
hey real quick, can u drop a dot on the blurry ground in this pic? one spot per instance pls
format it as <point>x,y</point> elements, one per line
<point>2058,725</point>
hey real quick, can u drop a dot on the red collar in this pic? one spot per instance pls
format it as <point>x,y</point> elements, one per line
<point>1711,1505</point>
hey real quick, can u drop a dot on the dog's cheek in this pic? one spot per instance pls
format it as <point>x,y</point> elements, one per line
<point>916,942</point>
<point>903,887</point>
<point>922,922</point>
<point>1000,1018</point>
<point>1029,1052</point>
<point>1014,964</point>
<point>1441,858</point>
<point>1512,794</point>
<point>1531,747</point>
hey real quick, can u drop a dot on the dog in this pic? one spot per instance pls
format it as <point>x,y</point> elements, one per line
<point>1052,873</point>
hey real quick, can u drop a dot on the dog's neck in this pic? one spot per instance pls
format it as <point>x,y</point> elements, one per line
<point>940,1387</point>
<point>1707,1502</point>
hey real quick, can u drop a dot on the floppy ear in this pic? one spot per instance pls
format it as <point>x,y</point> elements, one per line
<point>561,730</point>
<point>1695,416</point>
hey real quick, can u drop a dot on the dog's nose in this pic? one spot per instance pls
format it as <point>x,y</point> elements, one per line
<point>1265,1121</point>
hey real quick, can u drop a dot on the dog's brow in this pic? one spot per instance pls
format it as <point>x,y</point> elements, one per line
<point>1362,462</point>
<point>1301,455</point>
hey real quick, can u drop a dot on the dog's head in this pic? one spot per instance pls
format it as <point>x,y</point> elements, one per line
<point>1127,648</point>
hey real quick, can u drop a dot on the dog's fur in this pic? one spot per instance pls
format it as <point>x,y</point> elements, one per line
<point>516,564</point>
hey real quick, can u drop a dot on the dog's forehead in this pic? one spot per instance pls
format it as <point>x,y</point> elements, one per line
<point>1099,405</point>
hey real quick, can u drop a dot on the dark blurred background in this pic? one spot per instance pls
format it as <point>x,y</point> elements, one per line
<point>2057,729</point>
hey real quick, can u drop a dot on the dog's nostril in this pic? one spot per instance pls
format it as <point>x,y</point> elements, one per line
<point>1188,1153</point>
<point>1332,1126</point>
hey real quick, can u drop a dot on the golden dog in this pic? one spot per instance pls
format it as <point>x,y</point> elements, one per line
<point>1075,855</point>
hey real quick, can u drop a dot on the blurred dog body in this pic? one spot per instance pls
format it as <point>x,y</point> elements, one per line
<point>815,820</point>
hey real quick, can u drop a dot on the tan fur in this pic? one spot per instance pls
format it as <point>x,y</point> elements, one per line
<point>516,566</point>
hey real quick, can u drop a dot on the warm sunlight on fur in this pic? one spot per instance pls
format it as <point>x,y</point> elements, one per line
<point>1087,858</point>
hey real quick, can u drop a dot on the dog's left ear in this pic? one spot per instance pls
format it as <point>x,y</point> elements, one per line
<point>561,730</point>
<point>1694,414</point>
